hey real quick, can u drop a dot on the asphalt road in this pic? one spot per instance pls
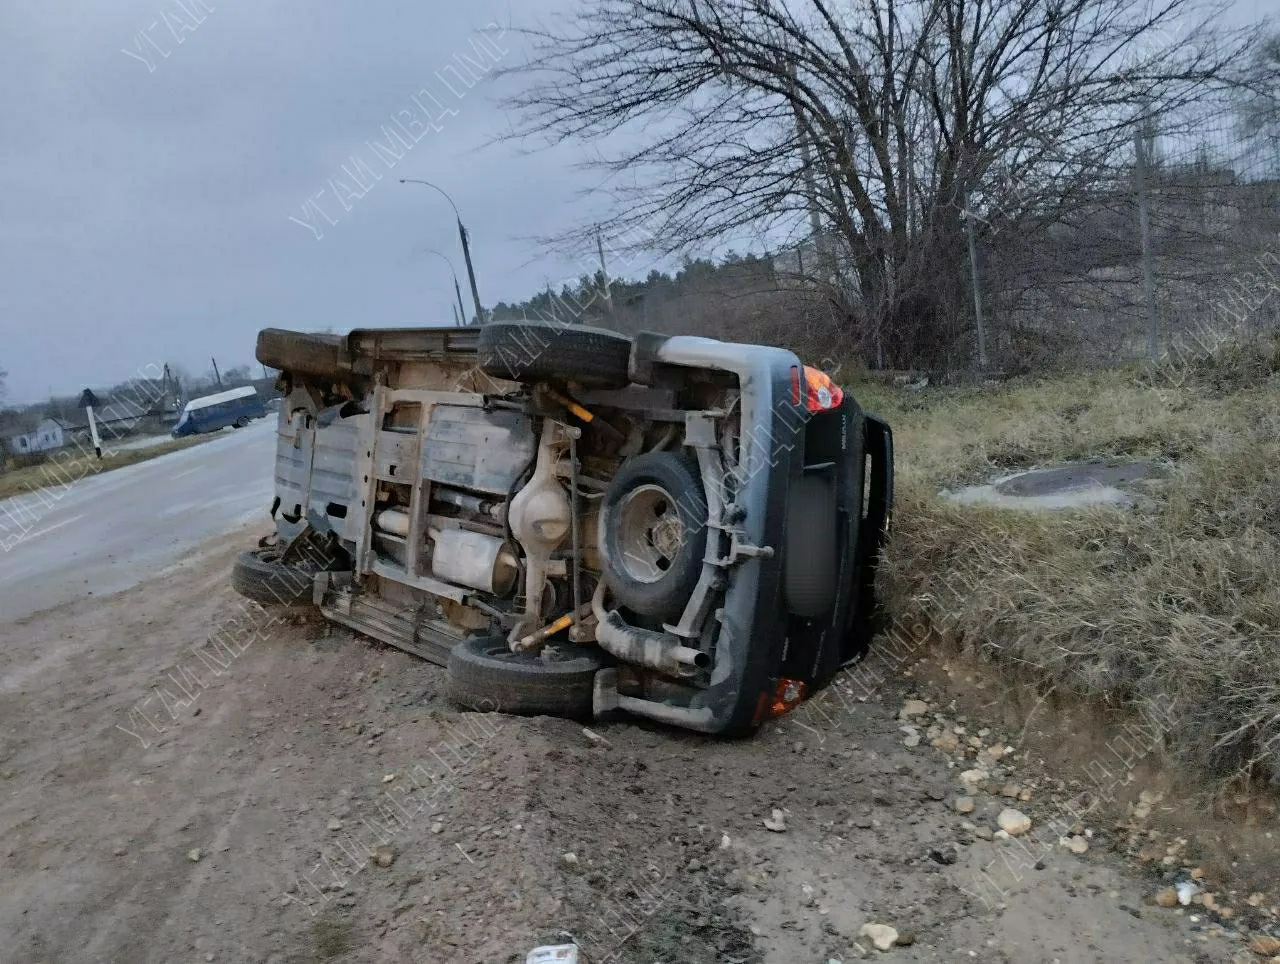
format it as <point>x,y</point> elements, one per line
<point>109,532</point>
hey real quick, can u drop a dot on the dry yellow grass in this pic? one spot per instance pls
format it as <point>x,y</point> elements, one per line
<point>1179,601</point>
<point>68,465</point>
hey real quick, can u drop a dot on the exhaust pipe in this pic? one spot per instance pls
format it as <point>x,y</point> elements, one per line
<point>659,651</point>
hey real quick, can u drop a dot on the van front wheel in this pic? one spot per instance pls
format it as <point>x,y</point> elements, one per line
<point>241,422</point>
<point>260,575</point>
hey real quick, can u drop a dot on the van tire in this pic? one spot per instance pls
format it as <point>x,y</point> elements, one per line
<point>485,676</point>
<point>812,550</point>
<point>241,422</point>
<point>257,575</point>
<point>650,576</point>
<point>531,352</point>
<point>301,352</point>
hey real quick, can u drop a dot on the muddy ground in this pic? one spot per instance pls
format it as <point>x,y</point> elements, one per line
<point>184,779</point>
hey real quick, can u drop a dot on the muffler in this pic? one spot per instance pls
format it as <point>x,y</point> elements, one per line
<point>659,651</point>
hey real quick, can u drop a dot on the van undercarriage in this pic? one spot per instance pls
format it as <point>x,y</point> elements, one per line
<point>578,522</point>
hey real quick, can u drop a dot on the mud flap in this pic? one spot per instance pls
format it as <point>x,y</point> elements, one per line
<point>873,530</point>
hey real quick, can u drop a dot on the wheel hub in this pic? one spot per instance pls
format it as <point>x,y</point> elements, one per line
<point>651,532</point>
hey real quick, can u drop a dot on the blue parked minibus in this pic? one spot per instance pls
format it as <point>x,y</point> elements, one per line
<point>235,407</point>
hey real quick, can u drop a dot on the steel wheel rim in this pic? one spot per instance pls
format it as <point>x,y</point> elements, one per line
<point>650,533</point>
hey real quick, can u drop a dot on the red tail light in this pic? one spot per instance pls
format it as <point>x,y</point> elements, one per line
<point>821,393</point>
<point>787,695</point>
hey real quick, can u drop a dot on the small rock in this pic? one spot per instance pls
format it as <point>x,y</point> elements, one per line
<point>947,742</point>
<point>1077,845</point>
<point>196,711</point>
<point>1186,890</point>
<point>725,842</point>
<point>1013,822</point>
<point>984,833</point>
<point>881,935</point>
<point>964,804</point>
<point>388,777</point>
<point>437,827</point>
<point>912,738</point>
<point>335,823</point>
<point>120,851</point>
<point>905,939</point>
<point>194,855</point>
<point>971,778</point>
<point>913,708</point>
<point>569,859</point>
<point>943,855</point>
<point>777,822</point>
<point>1265,944</point>
<point>1166,897</point>
<point>1010,791</point>
<point>384,856</point>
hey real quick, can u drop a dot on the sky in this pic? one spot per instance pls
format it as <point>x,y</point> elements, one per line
<point>176,174</point>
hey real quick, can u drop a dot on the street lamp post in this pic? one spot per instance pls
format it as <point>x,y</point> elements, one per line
<point>462,235</point>
<point>460,310</point>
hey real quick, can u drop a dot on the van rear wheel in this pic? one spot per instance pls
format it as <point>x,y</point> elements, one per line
<point>241,422</point>
<point>485,676</point>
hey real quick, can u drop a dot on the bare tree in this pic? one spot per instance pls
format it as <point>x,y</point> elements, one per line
<point>871,126</point>
<point>1260,114</point>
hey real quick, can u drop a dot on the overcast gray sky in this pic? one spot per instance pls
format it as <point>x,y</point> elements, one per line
<point>146,202</point>
<point>153,153</point>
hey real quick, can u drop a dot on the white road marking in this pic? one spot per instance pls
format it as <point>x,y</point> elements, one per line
<point>37,535</point>
<point>58,525</point>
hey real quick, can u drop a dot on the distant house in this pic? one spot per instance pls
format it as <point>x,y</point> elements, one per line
<point>115,417</point>
<point>47,435</point>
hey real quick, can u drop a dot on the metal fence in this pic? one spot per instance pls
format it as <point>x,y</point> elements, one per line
<point>1180,241</point>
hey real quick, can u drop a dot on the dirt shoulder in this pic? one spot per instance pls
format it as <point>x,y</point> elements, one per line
<point>188,779</point>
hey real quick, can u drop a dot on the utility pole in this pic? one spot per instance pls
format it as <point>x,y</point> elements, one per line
<point>1144,226</point>
<point>977,286</point>
<point>604,273</point>
<point>459,310</point>
<point>216,377</point>
<point>810,185</point>
<point>471,272</point>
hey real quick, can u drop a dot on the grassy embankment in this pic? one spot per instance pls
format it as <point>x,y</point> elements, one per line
<point>1175,601</point>
<point>72,464</point>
